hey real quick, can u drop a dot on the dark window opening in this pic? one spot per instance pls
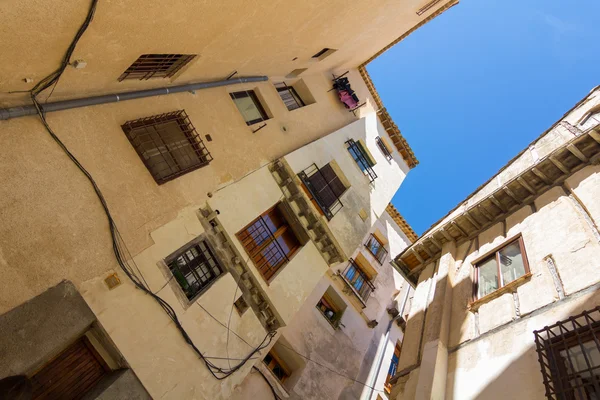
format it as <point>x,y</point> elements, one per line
<point>322,54</point>
<point>240,305</point>
<point>249,106</point>
<point>359,154</point>
<point>271,240</point>
<point>503,266</point>
<point>569,357</point>
<point>376,248</point>
<point>194,268</point>
<point>383,147</point>
<point>330,309</point>
<point>290,97</point>
<point>277,366</point>
<point>156,66</point>
<point>324,188</point>
<point>358,280</point>
<point>168,144</point>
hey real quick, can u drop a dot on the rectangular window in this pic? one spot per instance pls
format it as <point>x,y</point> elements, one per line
<point>501,267</point>
<point>383,147</point>
<point>332,307</point>
<point>70,375</point>
<point>359,154</point>
<point>276,366</point>
<point>168,144</point>
<point>376,248</point>
<point>324,53</point>
<point>358,280</point>
<point>324,188</point>
<point>569,356</point>
<point>249,106</point>
<point>270,241</point>
<point>393,368</point>
<point>194,268</point>
<point>290,97</point>
<point>156,66</point>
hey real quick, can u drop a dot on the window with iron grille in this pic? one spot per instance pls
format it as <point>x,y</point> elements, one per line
<point>270,240</point>
<point>359,154</point>
<point>355,277</point>
<point>290,97</point>
<point>383,147</point>
<point>500,267</point>
<point>324,188</point>
<point>249,106</point>
<point>194,268</point>
<point>569,357</point>
<point>168,144</point>
<point>393,368</point>
<point>156,66</point>
<point>376,248</point>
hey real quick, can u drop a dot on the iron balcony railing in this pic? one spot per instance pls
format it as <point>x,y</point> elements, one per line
<point>358,280</point>
<point>376,248</point>
<point>361,158</point>
<point>568,355</point>
<point>321,191</point>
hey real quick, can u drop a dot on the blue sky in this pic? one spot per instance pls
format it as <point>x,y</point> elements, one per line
<point>476,85</point>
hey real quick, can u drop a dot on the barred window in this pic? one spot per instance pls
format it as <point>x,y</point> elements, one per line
<point>290,97</point>
<point>194,268</point>
<point>156,66</point>
<point>168,144</point>
<point>383,147</point>
<point>362,159</point>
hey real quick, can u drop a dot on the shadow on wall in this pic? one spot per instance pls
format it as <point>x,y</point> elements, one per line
<point>509,357</point>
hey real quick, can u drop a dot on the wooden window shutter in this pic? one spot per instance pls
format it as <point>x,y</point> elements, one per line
<point>333,180</point>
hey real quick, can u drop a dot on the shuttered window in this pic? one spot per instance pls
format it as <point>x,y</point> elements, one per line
<point>70,375</point>
<point>327,185</point>
<point>393,368</point>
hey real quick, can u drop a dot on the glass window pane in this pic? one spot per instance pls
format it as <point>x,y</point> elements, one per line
<point>248,109</point>
<point>511,263</point>
<point>488,277</point>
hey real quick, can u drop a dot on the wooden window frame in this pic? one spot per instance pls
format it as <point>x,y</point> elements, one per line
<point>397,350</point>
<point>256,255</point>
<point>328,301</point>
<point>381,251</point>
<point>130,128</point>
<point>277,361</point>
<point>252,95</point>
<point>496,253</point>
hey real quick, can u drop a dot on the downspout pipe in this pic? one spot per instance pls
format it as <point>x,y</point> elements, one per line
<point>17,112</point>
<point>380,356</point>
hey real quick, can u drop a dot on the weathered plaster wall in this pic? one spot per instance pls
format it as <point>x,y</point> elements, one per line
<point>347,225</point>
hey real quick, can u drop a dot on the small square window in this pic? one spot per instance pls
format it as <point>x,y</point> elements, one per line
<point>156,66</point>
<point>240,305</point>
<point>194,267</point>
<point>277,366</point>
<point>324,53</point>
<point>168,144</point>
<point>501,267</point>
<point>249,106</point>
<point>290,97</point>
<point>332,307</point>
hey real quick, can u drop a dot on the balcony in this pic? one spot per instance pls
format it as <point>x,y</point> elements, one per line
<point>324,188</point>
<point>361,158</point>
<point>358,281</point>
<point>376,248</point>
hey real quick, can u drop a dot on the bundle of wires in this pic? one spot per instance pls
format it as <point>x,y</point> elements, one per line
<point>120,250</point>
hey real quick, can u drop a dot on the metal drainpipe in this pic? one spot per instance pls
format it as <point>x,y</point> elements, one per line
<point>387,335</point>
<point>16,112</point>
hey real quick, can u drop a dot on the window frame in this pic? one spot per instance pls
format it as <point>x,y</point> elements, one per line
<point>495,252</point>
<point>276,360</point>
<point>338,311</point>
<point>141,70</point>
<point>187,129</point>
<point>383,147</point>
<point>362,159</point>
<point>392,371</point>
<point>252,95</point>
<point>364,291</point>
<point>312,173</point>
<point>381,253</point>
<point>256,253</point>
<point>171,258</point>
<point>297,99</point>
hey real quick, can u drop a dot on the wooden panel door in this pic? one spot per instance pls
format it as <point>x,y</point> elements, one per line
<point>71,374</point>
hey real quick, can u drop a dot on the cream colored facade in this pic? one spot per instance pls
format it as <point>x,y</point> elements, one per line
<point>459,346</point>
<point>54,230</point>
<point>350,360</point>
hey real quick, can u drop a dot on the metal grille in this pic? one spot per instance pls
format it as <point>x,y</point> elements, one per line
<point>195,268</point>
<point>569,356</point>
<point>156,66</point>
<point>359,155</point>
<point>267,252</point>
<point>168,144</point>
<point>356,278</point>
<point>290,97</point>
<point>383,147</point>
<point>376,248</point>
<point>325,187</point>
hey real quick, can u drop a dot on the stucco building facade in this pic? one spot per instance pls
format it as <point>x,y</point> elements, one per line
<point>260,162</point>
<point>506,300</point>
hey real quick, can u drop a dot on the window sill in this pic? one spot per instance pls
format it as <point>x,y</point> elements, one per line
<point>334,326</point>
<point>508,288</point>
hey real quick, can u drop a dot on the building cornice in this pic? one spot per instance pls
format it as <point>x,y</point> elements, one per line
<point>401,222</point>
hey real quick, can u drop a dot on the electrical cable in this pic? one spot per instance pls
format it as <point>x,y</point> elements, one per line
<point>119,247</point>
<point>268,383</point>
<point>237,286</point>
